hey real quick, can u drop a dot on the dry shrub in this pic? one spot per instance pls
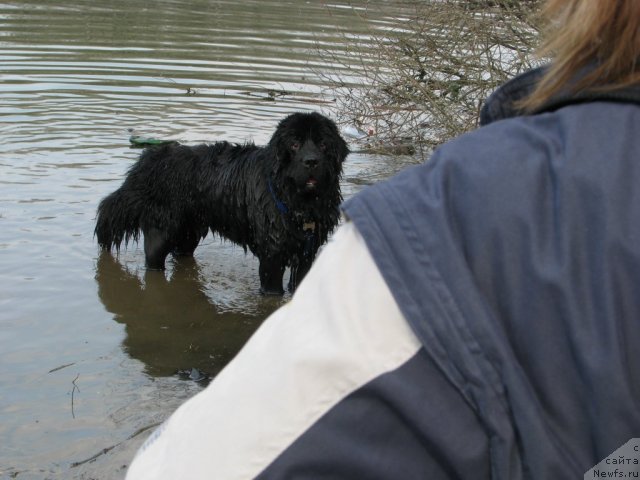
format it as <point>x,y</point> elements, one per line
<point>423,81</point>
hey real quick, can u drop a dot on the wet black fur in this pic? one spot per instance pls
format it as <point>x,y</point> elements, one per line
<point>175,193</point>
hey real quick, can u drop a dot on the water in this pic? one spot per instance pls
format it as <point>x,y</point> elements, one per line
<point>90,344</point>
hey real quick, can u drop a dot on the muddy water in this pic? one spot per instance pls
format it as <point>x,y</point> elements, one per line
<point>90,344</point>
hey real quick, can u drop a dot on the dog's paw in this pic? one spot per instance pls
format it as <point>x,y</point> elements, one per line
<point>273,292</point>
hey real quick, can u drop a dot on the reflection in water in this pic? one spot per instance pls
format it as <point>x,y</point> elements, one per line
<point>170,323</point>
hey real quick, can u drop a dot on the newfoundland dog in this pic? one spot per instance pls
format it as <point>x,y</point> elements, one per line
<point>280,201</point>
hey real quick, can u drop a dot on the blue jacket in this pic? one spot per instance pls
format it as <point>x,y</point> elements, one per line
<point>514,253</point>
<point>478,318</point>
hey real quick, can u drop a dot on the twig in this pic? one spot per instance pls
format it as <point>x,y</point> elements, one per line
<point>61,367</point>
<point>93,457</point>
<point>75,387</point>
<point>108,449</point>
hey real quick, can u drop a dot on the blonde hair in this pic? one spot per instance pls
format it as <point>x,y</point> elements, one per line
<point>603,34</point>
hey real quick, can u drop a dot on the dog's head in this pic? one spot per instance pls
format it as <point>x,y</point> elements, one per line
<point>309,151</point>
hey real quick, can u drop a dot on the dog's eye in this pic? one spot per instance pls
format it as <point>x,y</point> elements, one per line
<point>295,146</point>
<point>322,146</point>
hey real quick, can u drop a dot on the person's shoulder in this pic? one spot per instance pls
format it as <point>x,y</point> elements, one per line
<point>504,140</point>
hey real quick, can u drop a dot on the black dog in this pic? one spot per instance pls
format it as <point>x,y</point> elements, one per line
<point>280,201</point>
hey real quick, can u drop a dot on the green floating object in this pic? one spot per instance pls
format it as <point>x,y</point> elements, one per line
<point>139,141</point>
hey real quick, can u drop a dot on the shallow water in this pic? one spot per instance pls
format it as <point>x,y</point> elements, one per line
<point>90,344</point>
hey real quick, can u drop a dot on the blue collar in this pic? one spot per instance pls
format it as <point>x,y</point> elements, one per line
<point>281,206</point>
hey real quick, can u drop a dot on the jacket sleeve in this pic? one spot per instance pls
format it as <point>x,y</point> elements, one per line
<point>268,411</point>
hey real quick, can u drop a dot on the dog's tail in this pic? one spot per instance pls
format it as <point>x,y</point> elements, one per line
<point>118,220</point>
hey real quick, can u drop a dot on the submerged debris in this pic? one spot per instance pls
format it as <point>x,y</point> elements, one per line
<point>194,375</point>
<point>141,142</point>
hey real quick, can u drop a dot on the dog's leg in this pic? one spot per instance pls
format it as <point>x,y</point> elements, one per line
<point>298,272</point>
<point>156,248</point>
<point>187,244</point>
<point>301,263</point>
<point>271,270</point>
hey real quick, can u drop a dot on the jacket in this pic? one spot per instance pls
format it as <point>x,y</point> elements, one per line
<point>514,254</point>
<point>477,317</point>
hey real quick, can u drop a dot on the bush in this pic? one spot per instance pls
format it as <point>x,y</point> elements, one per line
<point>424,81</point>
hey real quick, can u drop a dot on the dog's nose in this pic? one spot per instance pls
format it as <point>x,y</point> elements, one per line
<point>310,162</point>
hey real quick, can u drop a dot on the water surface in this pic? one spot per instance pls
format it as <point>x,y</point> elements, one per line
<point>89,343</point>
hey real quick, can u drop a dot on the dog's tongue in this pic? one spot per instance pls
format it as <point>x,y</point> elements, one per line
<point>311,182</point>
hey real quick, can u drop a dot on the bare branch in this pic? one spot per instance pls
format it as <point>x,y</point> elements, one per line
<point>424,81</point>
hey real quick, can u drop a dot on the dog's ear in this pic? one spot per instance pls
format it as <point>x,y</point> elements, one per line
<point>278,142</point>
<point>342,150</point>
<point>338,145</point>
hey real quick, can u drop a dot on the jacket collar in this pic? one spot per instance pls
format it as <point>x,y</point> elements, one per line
<point>500,104</point>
